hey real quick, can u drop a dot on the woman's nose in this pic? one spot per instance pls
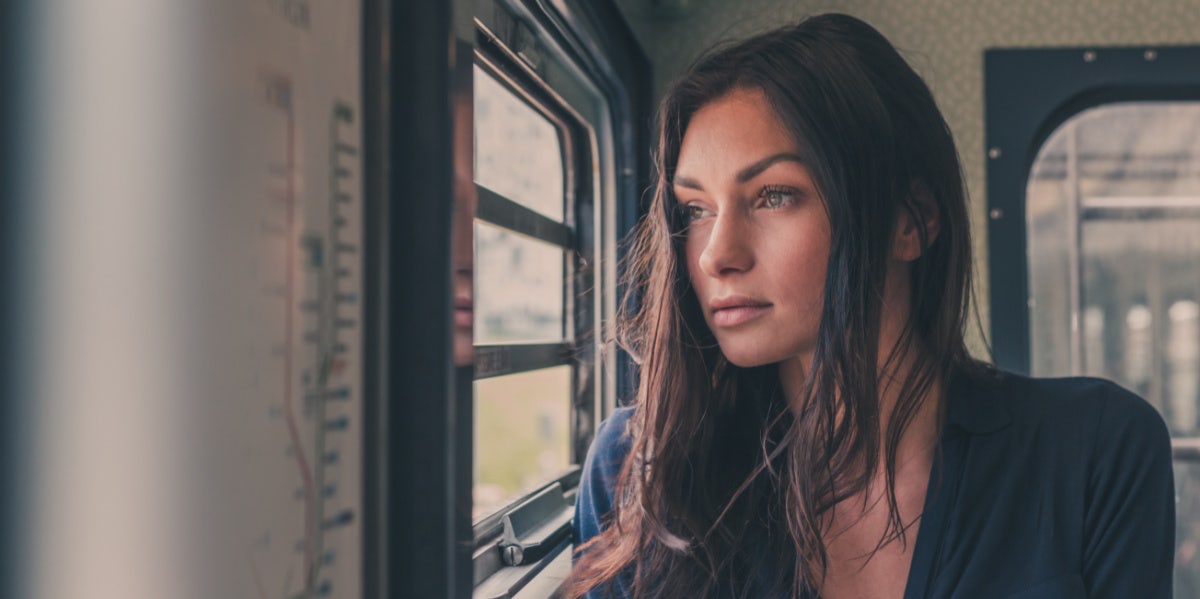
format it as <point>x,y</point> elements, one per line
<point>728,248</point>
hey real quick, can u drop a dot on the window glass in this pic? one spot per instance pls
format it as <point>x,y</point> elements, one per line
<point>1113,209</point>
<point>517,150</point>
<point>1045,210</point>
<point>1140,286</point>
<point>519,287</point>
<point>522,423</point>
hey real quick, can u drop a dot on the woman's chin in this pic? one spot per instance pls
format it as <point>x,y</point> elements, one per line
<point>754,355</point>
<point>747,357</point>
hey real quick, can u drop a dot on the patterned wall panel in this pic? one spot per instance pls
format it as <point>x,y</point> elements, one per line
<point>943,39</point>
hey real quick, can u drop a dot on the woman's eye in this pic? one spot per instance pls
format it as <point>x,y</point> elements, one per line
<point>691,212</point>
<point>777,197</point>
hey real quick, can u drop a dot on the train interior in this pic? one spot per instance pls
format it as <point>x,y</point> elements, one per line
<point>313,299</point>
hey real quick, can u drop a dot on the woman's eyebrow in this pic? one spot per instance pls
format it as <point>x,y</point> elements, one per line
<point>687,182</point>
<point>753,170</point>
<point>745,174</point>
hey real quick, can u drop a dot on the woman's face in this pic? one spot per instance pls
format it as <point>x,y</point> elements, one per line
<point>759,236</point>
<point>463,232</point>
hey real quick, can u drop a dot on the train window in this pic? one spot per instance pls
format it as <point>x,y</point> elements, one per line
<point>519,287</point>
<point>557,177</point>
<point>517,151</point>
<point>521,438</point>
<point>529,147</point>
<point>1093,212</point>
<point>1113,210</point>
<point>1122,181</point>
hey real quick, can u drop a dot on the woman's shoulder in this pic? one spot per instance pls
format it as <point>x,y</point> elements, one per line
<point>613,430</point>
<point>612,443</point>
<point>1111,448</point>
<point>1074,400</point>
<point>1081,456</point>
<point>601,469</point>
<point>1073,413</point>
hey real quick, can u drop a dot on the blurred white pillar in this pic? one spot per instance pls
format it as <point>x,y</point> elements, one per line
<point>1093,341</point>
<point>1183,364</point>
<point>1139,335</point>
<point>112,99</point>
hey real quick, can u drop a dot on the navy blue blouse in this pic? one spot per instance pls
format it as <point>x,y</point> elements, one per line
<point>1045,488</point>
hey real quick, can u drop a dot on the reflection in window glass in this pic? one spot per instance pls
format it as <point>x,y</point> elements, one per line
<point>521,435</point>
<point>1113,209</point>
<point>517,151</point>
<point>519,286</point>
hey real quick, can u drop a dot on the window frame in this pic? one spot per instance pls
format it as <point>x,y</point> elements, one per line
<point>414,536</point>
<point>17,178</point>
<point>602,176</point>
<point>419,538</point>
<point>1028,93</point>
<point>574,136</point>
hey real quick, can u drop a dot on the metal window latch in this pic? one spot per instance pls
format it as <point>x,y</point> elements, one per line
<point>535,526</point>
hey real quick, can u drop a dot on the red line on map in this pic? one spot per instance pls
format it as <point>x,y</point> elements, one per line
<point>289,406</point>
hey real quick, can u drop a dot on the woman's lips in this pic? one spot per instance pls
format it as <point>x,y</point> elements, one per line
<point>736,315</point>
<point>464,316</point>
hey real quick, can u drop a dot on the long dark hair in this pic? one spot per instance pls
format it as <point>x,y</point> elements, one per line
<point>728,482</point>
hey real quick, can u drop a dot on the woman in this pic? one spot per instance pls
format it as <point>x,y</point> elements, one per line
<point>808,419</point>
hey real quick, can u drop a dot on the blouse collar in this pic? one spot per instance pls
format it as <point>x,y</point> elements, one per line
<point>977,403</point>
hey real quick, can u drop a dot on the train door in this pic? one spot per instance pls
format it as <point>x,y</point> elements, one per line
<point>1094,234</point>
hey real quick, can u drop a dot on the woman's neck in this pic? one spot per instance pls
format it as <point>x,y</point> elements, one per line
<point>922,432</point>
<point>920,435</point>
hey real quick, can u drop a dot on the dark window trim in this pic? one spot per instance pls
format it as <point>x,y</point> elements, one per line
<point>418,536</point>
<point>606,51</point>
<point>596,35</point>
<point>488,529</point>
<point>487,559</point>
<point>575,135</point>
<point>1028,94</point>
<point>512,215</point>
<point>577,235</point>
<point>615,60</point>
<point>21,33</point>
<point>508,581</point>
<point>374,449</point>
<point>499,360</point>
<point>512,74</point>
<point>576,146</point>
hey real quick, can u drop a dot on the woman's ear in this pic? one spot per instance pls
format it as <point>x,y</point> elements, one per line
<point>917,224</point>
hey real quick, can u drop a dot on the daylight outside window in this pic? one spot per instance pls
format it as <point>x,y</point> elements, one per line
<point>522,432</point>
